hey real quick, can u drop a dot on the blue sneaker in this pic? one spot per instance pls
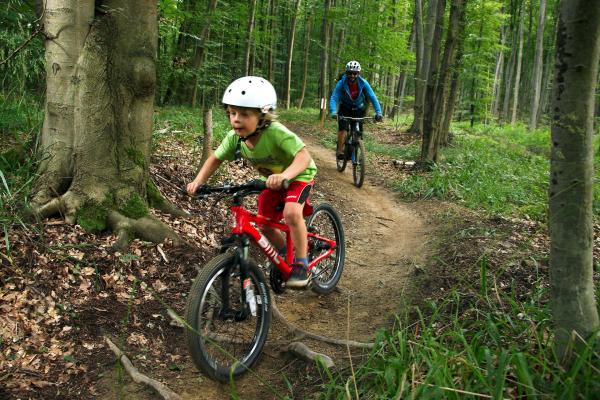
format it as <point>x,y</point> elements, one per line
<point>299,278</point>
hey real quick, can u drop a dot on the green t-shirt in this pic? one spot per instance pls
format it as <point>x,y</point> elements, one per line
<point>272,154</point>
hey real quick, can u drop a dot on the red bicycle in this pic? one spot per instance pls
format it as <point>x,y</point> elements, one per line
<point>228,308</point>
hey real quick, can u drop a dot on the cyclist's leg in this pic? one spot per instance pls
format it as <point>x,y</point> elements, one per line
<point>292,213</point>
<point>341,138</point>
<point>268,201</point>
<point>297,195</point>
<point>343,126</point>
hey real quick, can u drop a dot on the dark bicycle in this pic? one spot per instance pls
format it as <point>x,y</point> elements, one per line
<point>354,150</point>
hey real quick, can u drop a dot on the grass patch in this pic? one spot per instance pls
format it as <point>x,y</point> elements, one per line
<point>501,170</point>
<point>20,118</point>
<point>469,347</point>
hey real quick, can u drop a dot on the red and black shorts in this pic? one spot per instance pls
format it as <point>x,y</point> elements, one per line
<point>271,202</point>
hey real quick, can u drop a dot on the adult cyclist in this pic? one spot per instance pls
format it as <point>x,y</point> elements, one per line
<point>348,99</point>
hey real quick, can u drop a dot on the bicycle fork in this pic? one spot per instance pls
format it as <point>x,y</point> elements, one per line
<point>246,292</point>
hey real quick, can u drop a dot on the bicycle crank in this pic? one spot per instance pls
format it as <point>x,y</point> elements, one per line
<point>276,280</point>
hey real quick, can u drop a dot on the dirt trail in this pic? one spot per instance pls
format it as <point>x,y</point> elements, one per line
<point>384,240</point>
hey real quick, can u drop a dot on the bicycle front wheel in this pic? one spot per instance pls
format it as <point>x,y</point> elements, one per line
<point>224,336</point>
<point>358,164</point>
<point>326,222</point>
<point>341,163</point>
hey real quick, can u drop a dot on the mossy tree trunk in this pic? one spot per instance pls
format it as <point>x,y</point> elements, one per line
<point>96,138</point>
<point>572,175</point>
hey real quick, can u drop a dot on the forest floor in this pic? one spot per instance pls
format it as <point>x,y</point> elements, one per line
<point>64,290</point>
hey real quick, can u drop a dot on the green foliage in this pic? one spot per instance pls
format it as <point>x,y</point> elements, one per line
<point>464,347</point>
<point>19,118</point>
<point>185,123</point>
<point>500,170</point>
<point>24,69</point>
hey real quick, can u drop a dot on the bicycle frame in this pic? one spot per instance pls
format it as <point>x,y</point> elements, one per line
<point>243,226</point>
<point>355,133</point>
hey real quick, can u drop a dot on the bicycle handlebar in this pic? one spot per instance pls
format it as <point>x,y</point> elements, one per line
<point>254,186</point>
<point>355,118</point>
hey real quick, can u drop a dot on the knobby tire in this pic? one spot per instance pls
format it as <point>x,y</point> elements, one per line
<point>326,222</point>
<point>221,347</point>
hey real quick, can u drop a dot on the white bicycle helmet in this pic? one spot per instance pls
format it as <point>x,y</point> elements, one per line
<point>251,92</point>
<point>353,66</point>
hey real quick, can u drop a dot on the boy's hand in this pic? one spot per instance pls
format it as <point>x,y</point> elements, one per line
<point>275,181</point>
<point>192,187</point>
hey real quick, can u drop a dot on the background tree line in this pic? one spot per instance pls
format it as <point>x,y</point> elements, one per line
<point>502,69</point>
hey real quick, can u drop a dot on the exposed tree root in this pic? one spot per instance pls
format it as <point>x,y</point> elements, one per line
<point>300,333</point>
<point>52,207</point>
<point>167,207</point>
<point>303,352</point>
<point>296,348</point>
<point>138,377</point>
<point>147,228</point>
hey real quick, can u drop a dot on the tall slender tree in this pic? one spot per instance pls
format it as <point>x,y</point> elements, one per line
<point>249,36</point>
<point>324,56</point>
<point>572,174</point>
<point>515,106</point>
<point>538,67</point>
<point>290,55</point>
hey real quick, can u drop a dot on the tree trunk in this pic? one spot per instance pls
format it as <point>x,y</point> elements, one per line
<point>432,81</point>
<point>290,54</point>
<point>199,51</point>
<point>401,86</point>
<point>513,119</point>
<point>207,124</point>
<point>509,71</point>
<point>324,55</point>
<point>572,175</point>
<point>473,95</point>
<point>249,31</point>
<point>305,58</point>
<point>97,131</point>
<point>537,68</point>
<point>421,72</point>
<point>440,93</point>
<point>272,27</point>
<point>498,76</point>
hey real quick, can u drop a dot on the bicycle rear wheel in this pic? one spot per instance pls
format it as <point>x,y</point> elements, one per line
<point>358,163</point>
<point>221,340</point>
<point>326,222</point>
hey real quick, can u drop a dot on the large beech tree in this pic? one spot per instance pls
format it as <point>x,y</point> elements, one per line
<point>572,174</point>
<point>96,137</point>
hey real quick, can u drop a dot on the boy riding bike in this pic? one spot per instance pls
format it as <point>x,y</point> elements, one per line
<point>278,154</point>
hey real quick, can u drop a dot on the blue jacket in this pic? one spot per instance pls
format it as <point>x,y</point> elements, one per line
<point>341,94</point>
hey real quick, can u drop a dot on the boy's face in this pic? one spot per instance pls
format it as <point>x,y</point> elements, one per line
<point>243,120</point>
